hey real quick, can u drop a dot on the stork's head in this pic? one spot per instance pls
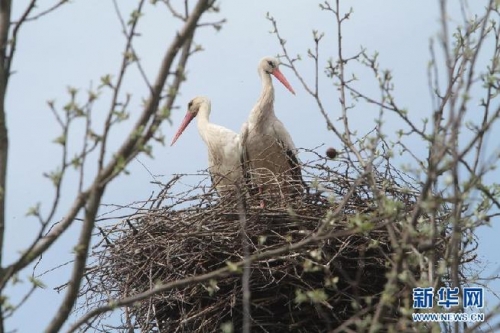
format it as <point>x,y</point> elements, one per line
<point>194,107</point>
<point>270,65</point>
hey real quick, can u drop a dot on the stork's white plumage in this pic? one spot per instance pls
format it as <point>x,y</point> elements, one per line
<point>269,147</point>
<point>224,148</point>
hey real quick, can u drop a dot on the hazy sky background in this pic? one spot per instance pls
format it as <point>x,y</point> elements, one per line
<point>82,41</point>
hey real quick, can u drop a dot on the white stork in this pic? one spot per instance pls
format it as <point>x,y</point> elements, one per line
<point>224,149</point>
<point>271,153</point>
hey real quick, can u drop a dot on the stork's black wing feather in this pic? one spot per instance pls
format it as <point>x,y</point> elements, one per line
<point>295,169</point>
<point>294,164</point>
<point>212,179</point>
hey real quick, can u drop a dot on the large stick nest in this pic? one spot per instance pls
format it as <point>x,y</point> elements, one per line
<point>339,274</point>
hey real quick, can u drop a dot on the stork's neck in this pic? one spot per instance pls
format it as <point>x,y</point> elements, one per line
<point>202,119</point>
<point>264,109</point>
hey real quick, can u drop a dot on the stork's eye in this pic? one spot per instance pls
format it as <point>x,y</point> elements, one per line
<point>270,63</point>
<point>190,104</point>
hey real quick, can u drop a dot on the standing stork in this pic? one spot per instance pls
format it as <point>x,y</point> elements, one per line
<point>271,153</point>
<point>224,148</point>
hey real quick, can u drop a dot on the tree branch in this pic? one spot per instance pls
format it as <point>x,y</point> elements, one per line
<point>82,249</point>
<point>5,8</point>
<point>128,150</point>
<point>124,154</point>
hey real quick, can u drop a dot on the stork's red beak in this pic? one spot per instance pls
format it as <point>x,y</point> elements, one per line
<point>277,73</point>
<point>187,119</point>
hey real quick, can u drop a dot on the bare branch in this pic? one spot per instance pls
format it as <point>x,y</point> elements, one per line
<point>15,32</point>
<point>82,249</point>
<point>117,87</point>
<point>42,13</point>
<point>124,154</point>
<point>5,8</point>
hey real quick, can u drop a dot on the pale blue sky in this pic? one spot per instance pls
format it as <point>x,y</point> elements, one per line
<point>82,41</point>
